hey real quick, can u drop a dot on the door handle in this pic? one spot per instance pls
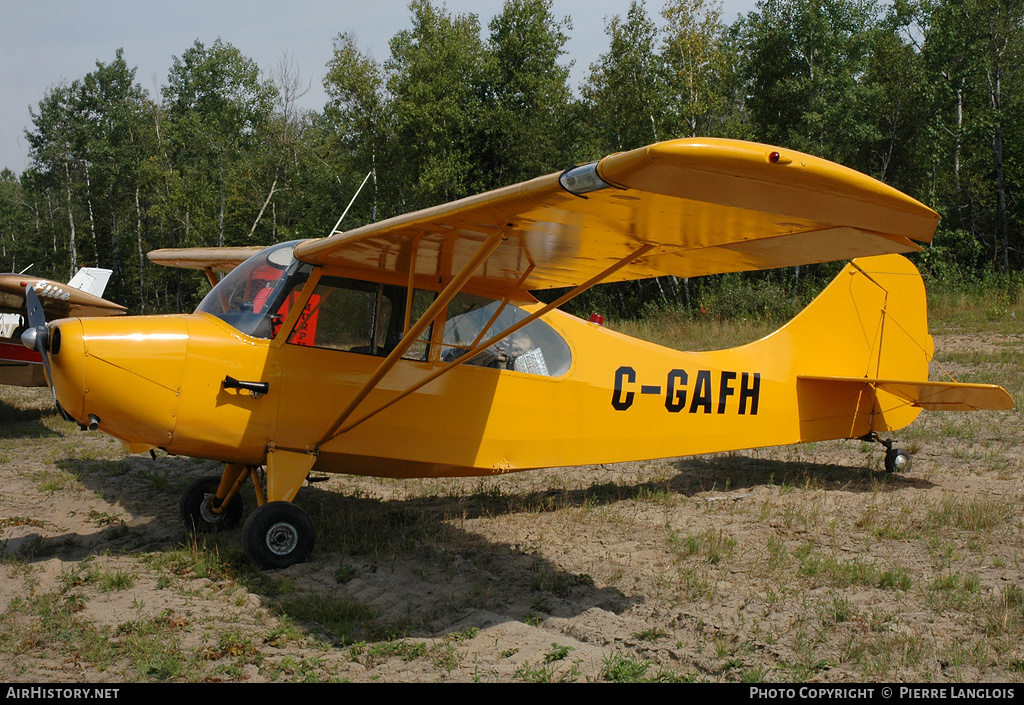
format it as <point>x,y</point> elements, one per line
<point>255,389</point>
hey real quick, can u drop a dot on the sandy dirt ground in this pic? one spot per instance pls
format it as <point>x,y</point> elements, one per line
<point>805,563</point>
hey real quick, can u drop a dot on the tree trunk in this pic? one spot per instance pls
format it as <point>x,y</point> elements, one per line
<point>72,248</point>
<point>116,256</point>
<point>142,257</point>
<point>1002,227</point>
<point>92,221</point>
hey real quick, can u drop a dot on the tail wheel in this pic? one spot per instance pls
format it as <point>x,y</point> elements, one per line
<point>196,508</point>
<point>277,535</point>
<point>897,460</point>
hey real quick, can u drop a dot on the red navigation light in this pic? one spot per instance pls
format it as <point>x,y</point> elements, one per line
<point>774,157</point>
<point>597,318</point>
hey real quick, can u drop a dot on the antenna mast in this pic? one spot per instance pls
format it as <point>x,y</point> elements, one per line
<point>335,228</point>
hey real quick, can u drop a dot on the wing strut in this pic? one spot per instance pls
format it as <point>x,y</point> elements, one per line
<point>504,304</point>
<point>413,334</point>
<point>340,427</point>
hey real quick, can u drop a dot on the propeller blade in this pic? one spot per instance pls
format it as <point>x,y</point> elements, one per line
<point>37,337</point>
<point>36,315</point>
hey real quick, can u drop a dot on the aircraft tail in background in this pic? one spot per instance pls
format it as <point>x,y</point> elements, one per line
<point>91,280</point>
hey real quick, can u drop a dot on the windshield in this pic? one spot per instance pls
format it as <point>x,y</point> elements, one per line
<point>253,296</point>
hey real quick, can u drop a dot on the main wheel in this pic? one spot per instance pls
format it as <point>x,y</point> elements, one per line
<point>196,507</point>
<point>897,460</point>
<point>277,535</point>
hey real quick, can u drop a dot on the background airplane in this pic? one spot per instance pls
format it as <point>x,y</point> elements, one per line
<point>79,297</point>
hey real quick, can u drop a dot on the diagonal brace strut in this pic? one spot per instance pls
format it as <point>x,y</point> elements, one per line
<point>340,427</point>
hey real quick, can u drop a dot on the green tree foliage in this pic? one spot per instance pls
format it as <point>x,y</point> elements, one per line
<point>804,61</point>
<point>218,110</point>
<point>625,89</point>
<point>893,106</point>
<point>57,165</point>
<point>972,54</point>
<point>528,104</point>
<point>436,81</point>
<point>215,120</point>
<point>450,114</point>
<point>923,94</point>
<point>357,126</point>
<point>117,140</point>
<point>18,249</point>
<point>699,74</point>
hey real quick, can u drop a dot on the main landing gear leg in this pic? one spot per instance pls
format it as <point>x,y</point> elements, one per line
<point>278,533</point>
<point>896,459</point>
<point>212,503</point>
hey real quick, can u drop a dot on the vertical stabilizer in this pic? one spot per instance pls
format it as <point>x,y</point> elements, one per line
<point>91,280</point>
<point>869,324</point>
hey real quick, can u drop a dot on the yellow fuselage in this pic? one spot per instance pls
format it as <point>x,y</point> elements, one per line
<point>157,382</point>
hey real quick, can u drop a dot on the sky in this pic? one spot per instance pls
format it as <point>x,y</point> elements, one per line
<point>48,42</point>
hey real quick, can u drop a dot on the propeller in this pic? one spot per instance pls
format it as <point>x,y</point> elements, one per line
<point>37,335</point>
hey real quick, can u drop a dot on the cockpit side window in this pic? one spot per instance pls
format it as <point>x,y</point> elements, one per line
<point>361,317</point>
<point>370,318</point>
<point>343,314</point>
<point>534,349</point>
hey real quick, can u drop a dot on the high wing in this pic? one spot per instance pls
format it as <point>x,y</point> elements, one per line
<point>699,206</point>
<point>706,206</point>
<point>214,259</point>
<point>59,300</point>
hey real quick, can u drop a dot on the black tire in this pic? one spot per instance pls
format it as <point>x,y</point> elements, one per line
<point>277,535</point>
<point>196,512</point>
<point>897,460</point>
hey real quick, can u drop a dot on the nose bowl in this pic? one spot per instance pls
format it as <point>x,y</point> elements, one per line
<point>125,371</point>
<point>67,366</point>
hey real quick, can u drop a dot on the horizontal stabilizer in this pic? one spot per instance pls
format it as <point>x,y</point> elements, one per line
<point>933,396</point>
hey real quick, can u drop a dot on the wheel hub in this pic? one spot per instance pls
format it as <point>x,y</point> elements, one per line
<point>206,509</point>
<point>282,538</point>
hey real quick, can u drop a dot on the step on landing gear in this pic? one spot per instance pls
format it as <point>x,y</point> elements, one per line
<point>896,459</point>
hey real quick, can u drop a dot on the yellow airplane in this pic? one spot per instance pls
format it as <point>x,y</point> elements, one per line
<point>413,348</point>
